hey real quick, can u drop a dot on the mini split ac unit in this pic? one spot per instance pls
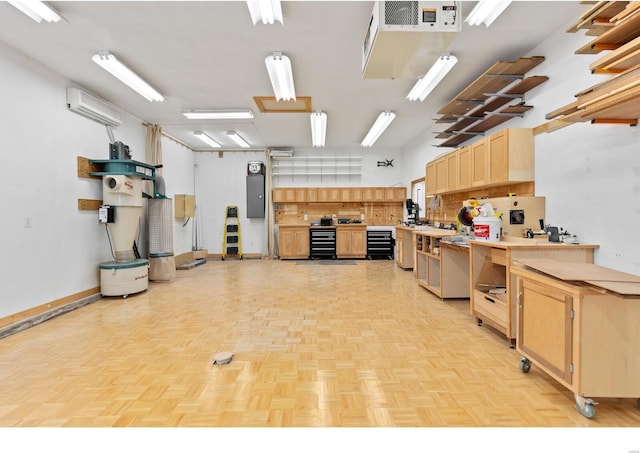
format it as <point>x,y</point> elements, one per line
<point>405,38</point>
<point>281,152</point>
<point>92,106</point>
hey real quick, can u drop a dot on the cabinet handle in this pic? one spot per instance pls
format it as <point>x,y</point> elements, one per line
<point>518,299</point>
<point>490,299</point>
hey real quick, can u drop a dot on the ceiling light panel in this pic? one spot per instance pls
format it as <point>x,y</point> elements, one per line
<point>107,61</point>
<point>431,79</point>
<point>37,10</point>
<point>318,128</point>
<point>266,11</point>
<point>218,114</point>
<point>241,142</point>
<point>381,123</point>
<point>206,139</point>
<point>486,11</point>
<point>281,76</point>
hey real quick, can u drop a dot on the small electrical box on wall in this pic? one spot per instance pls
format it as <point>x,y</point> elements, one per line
<point>106,214</point>
<point>255,168</point>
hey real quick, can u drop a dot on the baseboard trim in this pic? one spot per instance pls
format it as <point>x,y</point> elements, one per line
<point>29,318</point>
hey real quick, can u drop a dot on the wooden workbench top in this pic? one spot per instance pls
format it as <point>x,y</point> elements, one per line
<point>531,243</point>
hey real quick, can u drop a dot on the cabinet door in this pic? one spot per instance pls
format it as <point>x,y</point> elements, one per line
<point>278,195</point>
<point>301,194</point>
<point>286,240</point>
<point>323,194</point>
<point>359,243</point>
<point>301,242</point>
<point>356,194</point>
<point>431,178</point>
<point>379,194</point>
<point>343,242</point>
<point>442,175</point>
<point>312,194</point>
<point>400,194</point>
<point>498,157</point>
<point>464,168</point>
<point>346,194</point>
<point>479,163</point>
<point>452,171</point>
<point>290,195</point>
<point>545,326</point>
<point>367,194</point>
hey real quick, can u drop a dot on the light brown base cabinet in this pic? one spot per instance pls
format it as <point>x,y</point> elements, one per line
<point>404,247</point>
<point>351,241</point>
<point>293,241</point>
<point>438,267</point>
<point>493,295</point>
<point>585,337</point>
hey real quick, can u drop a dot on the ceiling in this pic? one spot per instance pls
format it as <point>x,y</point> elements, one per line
<point>208,54</point>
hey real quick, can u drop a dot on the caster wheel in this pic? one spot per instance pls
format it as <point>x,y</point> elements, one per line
<point>525,365</point>
<point>588,410</point>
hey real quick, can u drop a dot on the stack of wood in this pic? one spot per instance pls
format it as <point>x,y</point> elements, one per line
<point>616,26</point>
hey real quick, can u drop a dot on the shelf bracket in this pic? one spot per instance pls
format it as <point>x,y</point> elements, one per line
<point>511,115</point>
<point>614,121</point>
<point>506,95</point>
<point>506,76</point>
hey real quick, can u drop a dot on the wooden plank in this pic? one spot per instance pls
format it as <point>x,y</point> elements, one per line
<point>85,166</point>
<point>597,13</point>
<point>617,36</point>
<point>579,271</point>
<point>550,126</point>
<point>623,58</point>
<point>624,288</point>
<point>88,205</point>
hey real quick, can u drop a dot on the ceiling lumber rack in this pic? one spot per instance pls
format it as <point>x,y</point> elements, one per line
<point>615,100</point>
<point>489,100</point>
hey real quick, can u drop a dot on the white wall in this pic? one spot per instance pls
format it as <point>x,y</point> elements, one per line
<point>589,174</point>
<point>222,183</point>
<point>59,254</point>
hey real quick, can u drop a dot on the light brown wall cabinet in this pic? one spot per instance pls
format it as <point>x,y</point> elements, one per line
<point>499,159</point>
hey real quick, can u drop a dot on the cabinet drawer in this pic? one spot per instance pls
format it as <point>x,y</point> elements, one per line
<point>499,256</point>
<point>491,306</point>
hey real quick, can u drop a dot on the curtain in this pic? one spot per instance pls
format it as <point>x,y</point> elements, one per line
<point>153,151</point>
<point>272,248</point>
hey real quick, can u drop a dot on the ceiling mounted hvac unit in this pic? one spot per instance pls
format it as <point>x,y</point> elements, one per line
<point>404,39</point>
<point>92,106</point>
<point>281,152</point>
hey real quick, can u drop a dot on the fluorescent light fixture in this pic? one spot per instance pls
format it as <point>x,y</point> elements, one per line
<point>431,79</point>
<point>267,11</point>
<point>110,63</point>
<point>318,128</point>
<point>486,11</point>
<point>239,140</point>
<point>279,69</point>
<point>208,140</point>
<point>37,10</point>
<point>281,152</point>
<point>218,114</point>
<point>383,121</point>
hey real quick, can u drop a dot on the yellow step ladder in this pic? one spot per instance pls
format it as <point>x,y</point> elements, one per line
<point>232,239</point>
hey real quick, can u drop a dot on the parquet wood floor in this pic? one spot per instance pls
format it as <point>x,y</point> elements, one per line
<point>314,346</point>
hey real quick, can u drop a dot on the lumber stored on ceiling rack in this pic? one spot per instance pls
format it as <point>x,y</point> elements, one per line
<point>626,28</point>
<point>596,19</point>
<point>481,106</point>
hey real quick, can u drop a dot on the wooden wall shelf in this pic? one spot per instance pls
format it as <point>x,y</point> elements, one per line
<point>616,100</point>
<point>481,106</point>
<point>595,18</point>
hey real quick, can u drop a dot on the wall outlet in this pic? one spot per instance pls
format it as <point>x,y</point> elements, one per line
<point>306,217</point>
<point>28,222</point>
<point>361,216</point>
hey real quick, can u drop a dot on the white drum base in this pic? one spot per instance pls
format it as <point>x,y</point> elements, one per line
<point>122,279</point>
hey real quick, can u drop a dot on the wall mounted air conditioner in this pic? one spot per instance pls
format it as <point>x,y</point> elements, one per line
<point>281,152</point>
<point>405,38</point>
<point>92,106</point>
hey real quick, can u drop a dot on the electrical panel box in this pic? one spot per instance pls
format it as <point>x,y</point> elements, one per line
<point>255,196</point>
<point>184,206</point>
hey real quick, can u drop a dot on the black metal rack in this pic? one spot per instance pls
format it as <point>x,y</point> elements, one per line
<point>322,242</point>
<point>380,244</point>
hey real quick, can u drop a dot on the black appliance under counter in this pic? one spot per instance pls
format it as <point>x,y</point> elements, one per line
<point>322,242</point>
